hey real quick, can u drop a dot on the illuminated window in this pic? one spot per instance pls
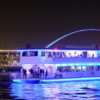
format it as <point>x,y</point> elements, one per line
<point>33,53</point>
<point>30,53</point>
<point>25,53</point>
<point>43,53</point>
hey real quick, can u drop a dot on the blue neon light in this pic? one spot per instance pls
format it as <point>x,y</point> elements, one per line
<point>26,80</point>
<point>79,64</point>
<point>17,80</point>
<point>55,80</point>
<point>69,34</point>
<point>71,79</point>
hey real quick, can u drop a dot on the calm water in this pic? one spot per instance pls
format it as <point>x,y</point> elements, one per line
<point>88,90</point>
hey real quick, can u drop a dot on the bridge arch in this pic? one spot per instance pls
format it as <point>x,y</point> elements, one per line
<point>69,34</point>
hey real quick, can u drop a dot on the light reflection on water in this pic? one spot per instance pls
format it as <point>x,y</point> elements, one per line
<point>57,91</point>
<point>89,90</point>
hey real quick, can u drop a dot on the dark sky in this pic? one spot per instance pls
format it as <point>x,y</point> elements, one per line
<point>38,23</point>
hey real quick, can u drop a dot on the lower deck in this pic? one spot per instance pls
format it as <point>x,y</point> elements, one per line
<point>19,74</point>
<point>51,72</point>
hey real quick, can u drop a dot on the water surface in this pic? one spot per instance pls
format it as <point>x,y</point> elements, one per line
<point>86,90</point>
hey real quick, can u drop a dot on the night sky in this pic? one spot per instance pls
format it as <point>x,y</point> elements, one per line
<point>38,23</point>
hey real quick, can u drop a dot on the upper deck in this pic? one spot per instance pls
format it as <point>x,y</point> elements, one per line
<point>49,56</point>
